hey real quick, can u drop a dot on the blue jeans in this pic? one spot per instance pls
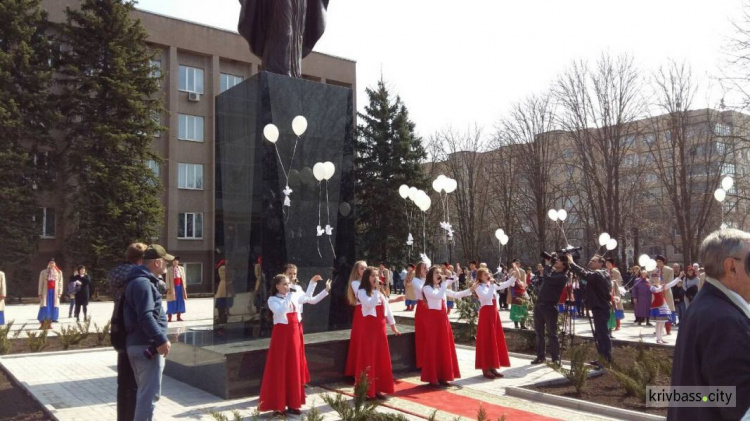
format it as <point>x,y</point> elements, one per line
<point>680,307</point>
<point>72,304</point>
<point>148,374</point>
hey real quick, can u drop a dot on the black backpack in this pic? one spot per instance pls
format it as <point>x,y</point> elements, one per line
<point>117,334</point>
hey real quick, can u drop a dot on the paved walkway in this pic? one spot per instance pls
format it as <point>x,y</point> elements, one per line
<point>81,385</point>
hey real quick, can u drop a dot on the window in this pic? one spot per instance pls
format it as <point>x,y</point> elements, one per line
<point>47,222</point>
<point>649,139</point>
<point>668,135</point>
<point>629,161</point>
<point>721,129</point>
<point>156,68</point>
<point>628,141</point>
<point>193,273</point>
<point>651,178</point>
<point>190,128</point>
<point>646,158</point>
<point>190,176</point>
<point>727,169</point>
<point>190,225</point>
<point>191,80</point>
<point>722,148</point>
<point>228,81</point>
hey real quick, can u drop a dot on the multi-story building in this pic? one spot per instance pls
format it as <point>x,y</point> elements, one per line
<point>198,62</point>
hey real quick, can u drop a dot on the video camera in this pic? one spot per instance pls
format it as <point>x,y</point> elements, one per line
<point>552,257</point>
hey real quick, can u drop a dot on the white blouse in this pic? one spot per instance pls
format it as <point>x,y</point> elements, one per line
<point>436,297</point>
<point>280,306</point>
<point>661,288</point>
<point>417,284</point>
<point>355,288</point>
<point>311,299</point>
<point>488,292</point>
<point>370,303</point>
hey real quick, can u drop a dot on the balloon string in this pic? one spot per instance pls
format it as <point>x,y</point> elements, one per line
<point>317,238</point>
<point>329,221</point>
<point>424,235</point>
<point>560,224</point>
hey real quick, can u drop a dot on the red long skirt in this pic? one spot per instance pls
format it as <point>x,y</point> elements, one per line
<point>374,355</point>
<point>492,352</point>
<point>283,377</point>
<point>439,361</point>
<point>419,330</point>
<point>354,340</point>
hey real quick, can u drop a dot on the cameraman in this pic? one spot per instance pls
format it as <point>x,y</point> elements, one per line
<point>598,300</point>
<point>545,310</point>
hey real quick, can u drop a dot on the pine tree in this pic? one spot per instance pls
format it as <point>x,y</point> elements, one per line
<point>388,155</point>
<point>26,116</point>
<point>110,99</point>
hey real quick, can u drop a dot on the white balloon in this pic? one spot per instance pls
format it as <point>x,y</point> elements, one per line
<point>643,259</point>
<point>436,185</point>
<point>271,132</point>
<point>499,233</point>
<point>720,195</point>
<point>299,125</point>
<point>412,193</point>
<point>403,191</point>
<point>724,226</point>
<point>603,238</point>
<point>562,214</point>
<point>552,214</point>
<point>727,183</point>
<point>450,185</point>
<point>504,239</point>
<point>611,244</point>
<point>651,265</point>
<point>330,169</point>
<point>319,171</point>
<point>427,203</point>
<point>442,177</point>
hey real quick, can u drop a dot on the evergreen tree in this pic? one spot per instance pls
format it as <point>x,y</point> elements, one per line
<point>388,155</point>
<point>110,96</point>
<point>26,116</point>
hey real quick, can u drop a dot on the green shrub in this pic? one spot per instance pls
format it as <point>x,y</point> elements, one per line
<point>68,336</point>
<point>467,314</point>
<point>36,341</point>
<point>6,343</point>
<point>102,334</point>
<point>84,328</point>
<point>646,370</point>
<point>579,370</point>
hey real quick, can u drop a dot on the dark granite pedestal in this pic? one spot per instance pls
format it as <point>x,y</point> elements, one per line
<point>231,368</point>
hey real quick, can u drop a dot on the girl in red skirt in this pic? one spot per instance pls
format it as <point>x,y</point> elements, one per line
<point>284,375</point>
<point>417,283</point>
<point>351,296</point>
<point>439,361</point>
<point>373,353</point>
<point>491,350</point>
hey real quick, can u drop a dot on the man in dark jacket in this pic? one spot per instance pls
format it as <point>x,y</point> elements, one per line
<point>146,327</point>
<point>126,385</point>
<point>598,287</point>
<point>545,310</point>
<point>714,338</point>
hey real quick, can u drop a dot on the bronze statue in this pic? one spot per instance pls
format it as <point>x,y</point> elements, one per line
<point>282,32</point>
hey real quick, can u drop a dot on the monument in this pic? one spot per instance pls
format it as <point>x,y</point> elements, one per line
<point>270,210</point>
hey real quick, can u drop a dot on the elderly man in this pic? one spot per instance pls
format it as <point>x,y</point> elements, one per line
<point>712,346</point>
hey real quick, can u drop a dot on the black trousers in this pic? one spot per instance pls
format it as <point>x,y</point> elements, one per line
<point>601,332</point>
<point>545,316</point>
<point>127,388</point>
<point>78,309</point>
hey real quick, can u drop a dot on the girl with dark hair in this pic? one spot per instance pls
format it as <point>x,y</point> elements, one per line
<point>491,350</point>
<point>351,297</point>
<point>439,361</point>
<point>373,354</point>
<point>417,283</point>
<point>283,383</point>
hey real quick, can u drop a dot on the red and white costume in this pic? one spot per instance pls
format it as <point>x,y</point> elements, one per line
<point>354,335</point>
<point>373,354</point>
<point>491,350</point>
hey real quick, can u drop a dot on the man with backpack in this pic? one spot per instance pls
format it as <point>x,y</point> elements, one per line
<point>126,385</point>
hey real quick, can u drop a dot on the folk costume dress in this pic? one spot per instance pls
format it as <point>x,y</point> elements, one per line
<point>50,289</point>
<point>417,285</point>
<point>518,310</point>
<point>284,375</point>
<point>306,298</point>
<point>439,360</point>
<point>223,299</point>
<point>354,335</point>
<point>567,297</point>
<point>373,352</point>
<point>3,292</point>
<point>491,350</point>
<point>176,290</point>
<point>659,306</point>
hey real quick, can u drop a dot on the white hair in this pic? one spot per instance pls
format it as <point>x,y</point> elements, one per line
<point>720,245</point>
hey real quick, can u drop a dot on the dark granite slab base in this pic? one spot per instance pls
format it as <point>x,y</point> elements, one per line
<point>228,366</point>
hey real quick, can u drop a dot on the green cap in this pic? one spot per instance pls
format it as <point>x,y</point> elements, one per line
<point>155,251</point>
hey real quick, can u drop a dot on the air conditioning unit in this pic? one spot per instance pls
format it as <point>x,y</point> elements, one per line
<point>194,96</point>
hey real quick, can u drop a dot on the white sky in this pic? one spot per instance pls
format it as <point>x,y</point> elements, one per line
<point>457,63</point>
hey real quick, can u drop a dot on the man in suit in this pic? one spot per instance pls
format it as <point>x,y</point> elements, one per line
<point>712,346</point>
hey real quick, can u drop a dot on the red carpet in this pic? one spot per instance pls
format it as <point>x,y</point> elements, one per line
<point>445,401</point>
